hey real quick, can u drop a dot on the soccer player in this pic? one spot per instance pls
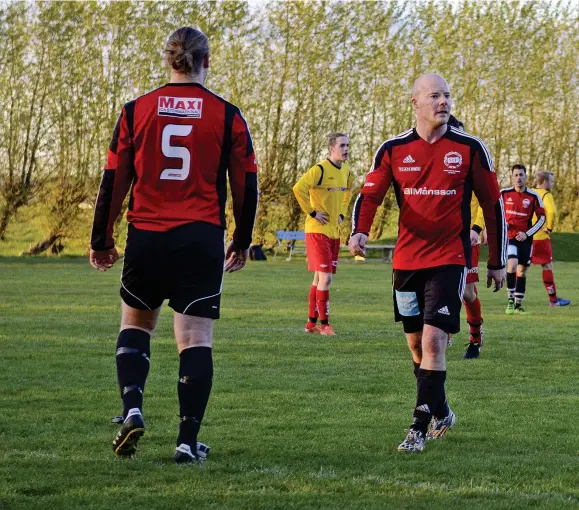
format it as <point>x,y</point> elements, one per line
<point>173,148</point>
<point>470,299</point>
<point>434,168</point>
<point>323,193</point>
<point>521,203</point>
<point>542,252</point>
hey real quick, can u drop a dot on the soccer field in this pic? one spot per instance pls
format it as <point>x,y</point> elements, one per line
<point>295,421</point>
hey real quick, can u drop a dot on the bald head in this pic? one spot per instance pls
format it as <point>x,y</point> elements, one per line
<point>431,101</point>
<point>427,82</point>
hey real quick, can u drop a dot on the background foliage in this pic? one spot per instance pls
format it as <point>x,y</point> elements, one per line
<point>298,70</point>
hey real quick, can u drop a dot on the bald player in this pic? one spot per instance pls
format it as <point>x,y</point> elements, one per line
<point>434,170</point>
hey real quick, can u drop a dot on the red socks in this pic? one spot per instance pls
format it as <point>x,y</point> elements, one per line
<point>312,306</point>
<point>474,314</point>
<point>549,283</point>
<point>323,302</point>
<point>473,310</point>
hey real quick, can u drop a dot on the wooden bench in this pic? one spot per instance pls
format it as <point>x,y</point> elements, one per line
<point>290,236</point>
<point>387,250</point>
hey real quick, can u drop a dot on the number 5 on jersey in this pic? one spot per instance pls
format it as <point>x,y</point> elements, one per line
<point>172,151</point>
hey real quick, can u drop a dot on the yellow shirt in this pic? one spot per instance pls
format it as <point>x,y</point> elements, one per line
<point>550,213</point>
<point>325,188</point>
<point>476,214</point>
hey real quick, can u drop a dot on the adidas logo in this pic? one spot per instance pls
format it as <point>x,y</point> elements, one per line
<point>408,159</point>
<point>423,407</point>
<point>444,310</point>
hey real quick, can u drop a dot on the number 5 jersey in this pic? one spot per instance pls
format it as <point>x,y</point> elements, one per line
<point>173,148</point>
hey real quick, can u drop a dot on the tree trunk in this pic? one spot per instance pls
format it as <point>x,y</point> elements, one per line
<point>53,242</point>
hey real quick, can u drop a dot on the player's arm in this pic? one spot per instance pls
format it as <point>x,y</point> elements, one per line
<point>486,189</point>
<point>302,188</point>
<point>244,192</point>
<point>115,183</point>
<point>371,196</point>
<point>347,197</point>
<point>550,211</point>
<point>539,210</point>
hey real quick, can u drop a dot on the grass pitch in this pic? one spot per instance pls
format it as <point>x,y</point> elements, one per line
<point>295,421</point>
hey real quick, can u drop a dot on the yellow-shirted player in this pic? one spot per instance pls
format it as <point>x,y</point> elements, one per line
<point>542,251</point>
<point>470,298</point>
<point>323,193</point>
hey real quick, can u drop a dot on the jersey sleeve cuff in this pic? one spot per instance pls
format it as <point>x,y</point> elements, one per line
<point>477,229</point>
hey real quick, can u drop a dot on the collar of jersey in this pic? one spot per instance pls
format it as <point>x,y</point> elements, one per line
<point>331,163</point>
<point>417,136</point>
<point>185,84</point>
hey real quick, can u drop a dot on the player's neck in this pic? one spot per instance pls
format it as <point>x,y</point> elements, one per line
<point>187,78</point>
<point>430,133</point>
<point>520,190</point>
<point>335,163</point>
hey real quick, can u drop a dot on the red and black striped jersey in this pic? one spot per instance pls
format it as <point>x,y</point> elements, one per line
<point>519,210</point>
<point>174,148</point>
<point>433,184</point>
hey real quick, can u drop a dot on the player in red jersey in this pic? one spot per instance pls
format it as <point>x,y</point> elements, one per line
<point>173,148</point>
<point>434,169</point>
<point>520,205</point>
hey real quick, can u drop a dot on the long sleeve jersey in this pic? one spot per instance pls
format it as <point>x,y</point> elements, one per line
<point>325,188</point>
<point>519,210</point>
<point>433,184</point>
<point>174,148</point>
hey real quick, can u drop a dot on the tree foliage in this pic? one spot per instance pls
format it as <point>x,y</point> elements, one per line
<point>298,70</point>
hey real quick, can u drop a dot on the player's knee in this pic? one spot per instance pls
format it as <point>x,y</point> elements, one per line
<point>191,331</point>
<point>433,346</point>
<point>324,279</point>
<point>414,341</point>
<point>469,293</point>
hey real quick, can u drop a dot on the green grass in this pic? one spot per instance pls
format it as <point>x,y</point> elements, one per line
<point>294,421</point>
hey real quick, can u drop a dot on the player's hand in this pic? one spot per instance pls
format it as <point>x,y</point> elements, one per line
<point>485,239</point>
<point>322,217</point>
<point>235,258</point>
<point>521,236</point>
<point>340,219</point>
<point>357,245</point>
<point>474,237</point>
<point>498,276</point>
<point>103,259</point>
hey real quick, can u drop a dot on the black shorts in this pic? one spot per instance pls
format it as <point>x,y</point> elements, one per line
<point>429,296</point>
<point>184,265</point>
<point>521,250</point>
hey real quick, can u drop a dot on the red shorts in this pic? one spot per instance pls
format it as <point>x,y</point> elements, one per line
<point>542,252</point>
<point>472,274</point>
<point>322,253</point>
